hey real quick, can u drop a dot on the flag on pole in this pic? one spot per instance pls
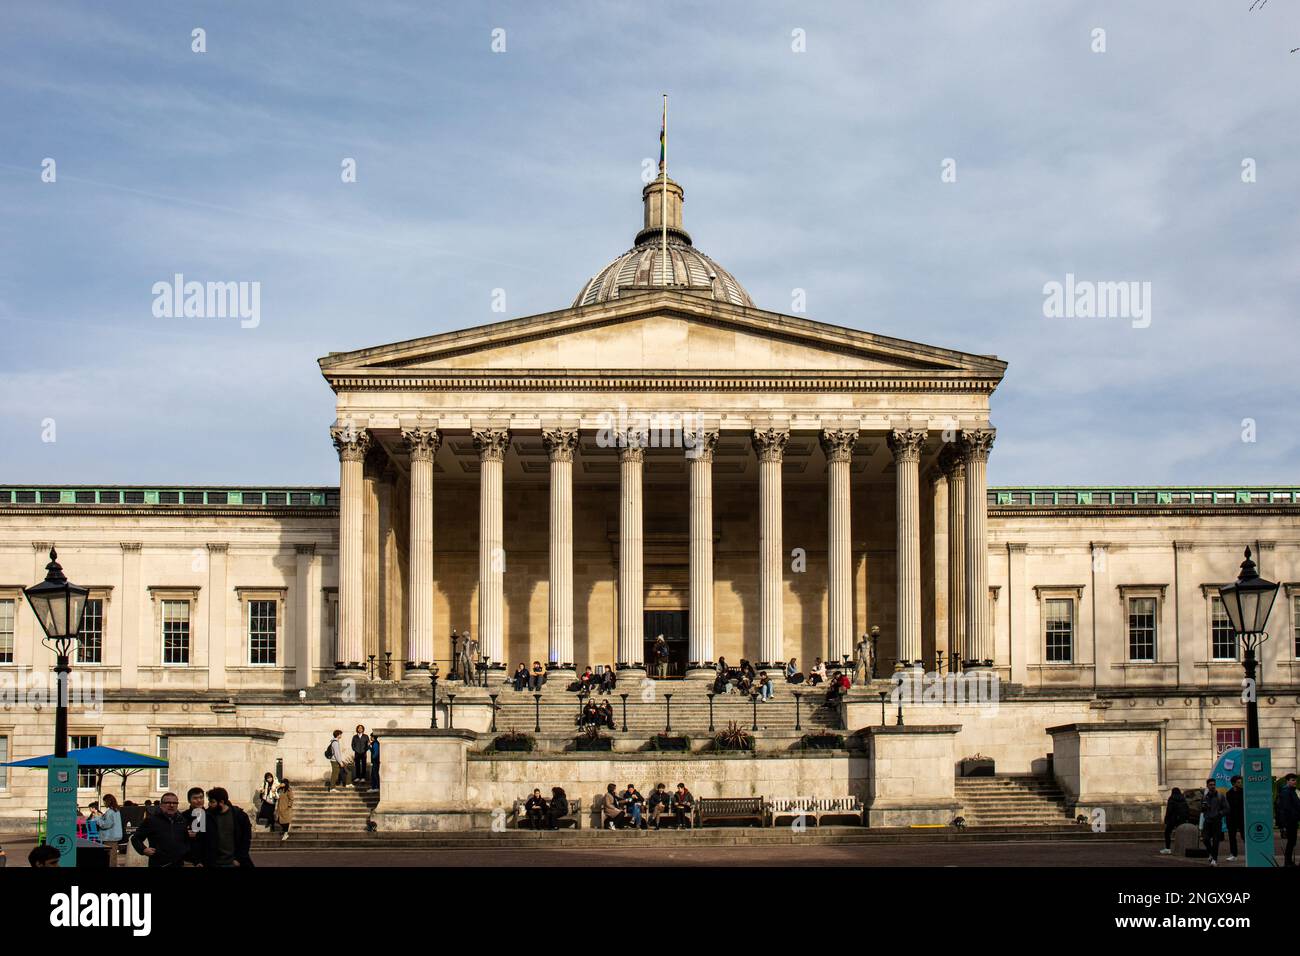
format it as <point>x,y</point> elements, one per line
<point>663,135</point>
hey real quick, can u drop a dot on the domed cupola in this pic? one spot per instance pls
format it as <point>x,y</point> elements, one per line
<point>644,268</point>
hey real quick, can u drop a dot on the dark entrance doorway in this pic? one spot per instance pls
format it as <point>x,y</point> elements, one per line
<point>673,626</point>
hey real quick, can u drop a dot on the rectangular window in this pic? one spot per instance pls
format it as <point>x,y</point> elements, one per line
<point>4,759</point>
<point>261,632</point>
<point>85,778</point>
<point>1225,738</point>
<point>7,631</point>
<point>1142,629</point>
<point>1060,630</point>
<point>1223,641</point>
<point>90,646</point>
<point>1295,625</point>
<point>176,632</point>
<point>162,754</point>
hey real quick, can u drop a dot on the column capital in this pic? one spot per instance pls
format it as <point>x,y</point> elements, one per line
<point>350,442</point>
<point>977,443</point>
<point>42,547</point>
<point>951,463</point>
<point>422,443</point>
<point>631,445</point>
<point>769,443</point>
<point>218,547</point>
<point>701,444</point>
<point>838,443</point>
<point>491,443</point>
<point>130,546</point>
<point>560,443</point>
<point>906,443</point>
<point>306,550</point>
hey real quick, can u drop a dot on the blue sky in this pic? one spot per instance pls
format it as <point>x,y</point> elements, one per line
<point>521,170</point>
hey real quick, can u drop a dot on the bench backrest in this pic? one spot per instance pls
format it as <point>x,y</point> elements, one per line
<point>724,805</point>
<point>811,804</point>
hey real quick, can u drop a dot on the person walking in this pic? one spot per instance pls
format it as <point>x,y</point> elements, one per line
<point>229,834</point>
<point>265,799</point>
<point>1287,814</point>
<point>1213,810</point>
<point>284,809</point>
<point>163,836</point>
<point>374,762</point>
<point>1236,817</point>
<point>338,762</point>
<point>1176,814</point>
<point>360,750</point>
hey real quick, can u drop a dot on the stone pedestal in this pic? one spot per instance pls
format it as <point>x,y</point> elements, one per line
<point>911,776</point>
<point>1114,766</point>
<point>424,782</point>
<point>232,757</point>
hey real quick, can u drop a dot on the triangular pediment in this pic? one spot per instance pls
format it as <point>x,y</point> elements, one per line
<point>660,331</point>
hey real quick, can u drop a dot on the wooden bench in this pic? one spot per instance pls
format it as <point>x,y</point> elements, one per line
<point>815,807</point>
<point>574,816</point>
<point>710,809</point>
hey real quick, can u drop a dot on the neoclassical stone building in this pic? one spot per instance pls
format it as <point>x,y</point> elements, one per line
<point>661,458</point>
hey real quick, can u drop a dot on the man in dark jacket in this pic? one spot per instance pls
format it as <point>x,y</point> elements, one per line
<point>360,750</point>
<point>1287,812</point>
<point>166,833</point>
<point>228,835</point>
<point>1236,817</point>
<point>1213,809</point>
<point>1176,814</point>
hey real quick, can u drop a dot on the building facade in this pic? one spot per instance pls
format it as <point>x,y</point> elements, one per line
<point>661,458</point>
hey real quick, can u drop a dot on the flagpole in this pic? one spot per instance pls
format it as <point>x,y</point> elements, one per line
<point>663,196</point>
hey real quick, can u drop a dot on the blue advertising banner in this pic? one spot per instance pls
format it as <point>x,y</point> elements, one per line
<point>61,809</point>
<point>1257,781</point>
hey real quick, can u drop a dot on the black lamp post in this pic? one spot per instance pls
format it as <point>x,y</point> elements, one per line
<point>494,711</point>
<point>797,697</point>
<point>455,657</point>
<point>1248,601</point>
<point>875,646</point>
<point>433,697</point>
<point>710,696</point>
<point>537,713</point>
<point>668,716</point>
<point>900,707</point>
<point>59,605</point>
<point>624,696</point>
<point>883,695</point>
<point>451,711</point>
<point>753,699</point>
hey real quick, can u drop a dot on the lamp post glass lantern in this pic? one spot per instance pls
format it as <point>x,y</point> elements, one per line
<point>1248,602</point>
<point>59,604</point>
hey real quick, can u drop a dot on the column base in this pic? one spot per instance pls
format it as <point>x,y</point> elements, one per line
<point>561,676</point>
<point>701,673</point>
<point>636,672</point>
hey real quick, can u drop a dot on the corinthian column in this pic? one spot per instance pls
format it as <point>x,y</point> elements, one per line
<point>906,444</point>
<point>560,444</point>
<point>976,445</point>
<point>699,454</point>
<point>631,576</point>
<point>422,445</point>
<point>491,444</point>
<point>352,443</point>
<point>952,465</point>
<point>769,443</point>
<point>838,446</point>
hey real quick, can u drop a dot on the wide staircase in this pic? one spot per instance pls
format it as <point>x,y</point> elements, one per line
<point>650,711</point>
<point>341,810</point>
<point>1012,801</point>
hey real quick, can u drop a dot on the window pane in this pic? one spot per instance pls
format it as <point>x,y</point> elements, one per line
<point>1142,629</point>
<point>6,631</point>
<point>1295,625</point>
<point>90,647</point>
<point>261,632</point>
<point>1059,614</point>
<point>1226,738</point>
<point>163,751</point>
<point>4,759</point>
<point>85,778</point>
<point>176,632</point>
<point>1222,639</point>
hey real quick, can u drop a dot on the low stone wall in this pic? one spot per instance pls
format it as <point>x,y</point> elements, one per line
<point>230,757</point>
<point>911,780</point>
<point>1111,766</point>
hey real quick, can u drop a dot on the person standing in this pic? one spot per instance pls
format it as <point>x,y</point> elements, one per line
<point>284,809</point>
<point>374,762</point>
<point>1236,817</point>
<point>1213,810</point>
<point>661,657</point>
<point>265,800</point>
<point>110,827</point>
<point>229,835</point>
<point>195,817</point>
<point>1287,813</point>
<point>163,836</point>
<point>338,762</point>
<point>360,750</point>
<point>1176,814</point>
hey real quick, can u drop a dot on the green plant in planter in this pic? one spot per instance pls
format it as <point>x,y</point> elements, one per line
<point>593,739</point>
<point>514,741</point>
<point>823,740</point>
<point>670,742</point>
<point>733,737</point>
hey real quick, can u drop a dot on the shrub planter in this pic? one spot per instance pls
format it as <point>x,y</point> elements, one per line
<point>670,742</point>
<point>733,738</point>
<point>977,766</point>
<point>514,743</point>
<point>589,743</point>
<point>823,742</point>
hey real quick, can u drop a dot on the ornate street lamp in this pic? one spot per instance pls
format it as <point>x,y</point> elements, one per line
<point>433,697</point>
<point>1248,601</point>
<point>59,605</point>
<point>875,648</point>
